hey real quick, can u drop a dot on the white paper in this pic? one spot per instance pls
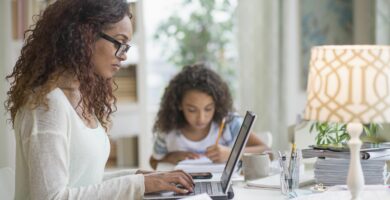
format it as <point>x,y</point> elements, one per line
<point>200,161</point>
<point>203,164</point>
<point>203,196</point>
<point>274,181</point>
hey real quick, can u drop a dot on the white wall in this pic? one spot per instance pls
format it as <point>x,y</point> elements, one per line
<point>9,52</point>
<point>3,139</point>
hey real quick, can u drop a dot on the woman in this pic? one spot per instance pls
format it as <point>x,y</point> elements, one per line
<point>195,104</point>
<point>61,101</point>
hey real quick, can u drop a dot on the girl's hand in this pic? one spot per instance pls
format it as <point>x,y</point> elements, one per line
<point>163,181</point>
<point>218,153</point>
<point>177,156</point>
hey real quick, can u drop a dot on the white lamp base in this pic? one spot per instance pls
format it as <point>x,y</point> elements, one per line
<point>355,180</point>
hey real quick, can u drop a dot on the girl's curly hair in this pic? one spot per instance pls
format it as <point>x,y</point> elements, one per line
<point>62,40</point>
<point>193,77</point>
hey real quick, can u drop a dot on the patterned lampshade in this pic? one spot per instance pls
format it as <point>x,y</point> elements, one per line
<point>349,84</point>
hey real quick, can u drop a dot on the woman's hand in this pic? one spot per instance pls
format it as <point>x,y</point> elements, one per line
<point>162,181</point>
<point>218,153</point>
<point>177,156</point>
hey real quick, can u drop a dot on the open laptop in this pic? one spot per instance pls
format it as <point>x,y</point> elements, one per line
<point>218,189</point>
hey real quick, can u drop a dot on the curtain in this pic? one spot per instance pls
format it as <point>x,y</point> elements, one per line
<point>383,22</point>
<point>261,85</point>
<point>269,62</point>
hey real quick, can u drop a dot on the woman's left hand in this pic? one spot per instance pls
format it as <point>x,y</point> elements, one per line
<point>162,181</point>
<point>218,153</point>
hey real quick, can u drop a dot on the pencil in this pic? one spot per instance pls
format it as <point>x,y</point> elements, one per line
<point>220,130</point>
<point>292,158</point>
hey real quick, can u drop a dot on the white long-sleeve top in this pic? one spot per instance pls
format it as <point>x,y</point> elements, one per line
<point>58,157</point>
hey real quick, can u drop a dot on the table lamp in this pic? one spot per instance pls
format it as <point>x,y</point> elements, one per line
<point>350,84</point>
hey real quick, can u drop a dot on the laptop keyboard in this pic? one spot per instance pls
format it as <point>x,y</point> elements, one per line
<point>207,187</point>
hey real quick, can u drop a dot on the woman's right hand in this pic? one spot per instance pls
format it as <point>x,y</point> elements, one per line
<point>163,181</point>
<point>177,156</point>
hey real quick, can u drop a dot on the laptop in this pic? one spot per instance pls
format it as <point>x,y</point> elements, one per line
<point>218,189</point>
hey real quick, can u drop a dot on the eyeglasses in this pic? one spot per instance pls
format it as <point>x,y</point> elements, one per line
<point>121,47</point>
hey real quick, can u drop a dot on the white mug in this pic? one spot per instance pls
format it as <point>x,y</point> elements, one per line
<point>255,165</point>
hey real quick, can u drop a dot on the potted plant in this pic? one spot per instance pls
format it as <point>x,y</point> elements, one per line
<point>336,134</point>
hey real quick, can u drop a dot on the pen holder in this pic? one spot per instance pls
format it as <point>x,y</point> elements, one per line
<point>289,174</point>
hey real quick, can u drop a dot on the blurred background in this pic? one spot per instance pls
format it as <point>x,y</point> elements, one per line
<point>260,47</point>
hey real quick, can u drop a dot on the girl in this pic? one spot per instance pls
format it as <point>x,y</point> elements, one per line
<point>192,109</point>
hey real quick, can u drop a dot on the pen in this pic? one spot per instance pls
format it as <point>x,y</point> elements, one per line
<point>292,158</point>
<point>292,172</point>
<point>220,131</point>
<point>284,162</point>
<point>285,176</point>
<point>280,159</point>
<point>280,154</point>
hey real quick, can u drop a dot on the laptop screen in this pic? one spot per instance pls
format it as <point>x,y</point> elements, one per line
<point>239,144</point>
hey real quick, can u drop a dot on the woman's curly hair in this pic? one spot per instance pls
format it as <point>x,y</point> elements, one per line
<point>62,40</point>
<point>193,77</point>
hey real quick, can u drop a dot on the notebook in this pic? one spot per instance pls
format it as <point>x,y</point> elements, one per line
<point>273,181</point>
<point>203,164</point>
<point>218,189</point>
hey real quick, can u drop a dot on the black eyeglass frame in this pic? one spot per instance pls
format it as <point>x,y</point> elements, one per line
<point>122,48</point>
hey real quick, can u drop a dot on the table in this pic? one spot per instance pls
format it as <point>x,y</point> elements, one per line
<point>241,191</point>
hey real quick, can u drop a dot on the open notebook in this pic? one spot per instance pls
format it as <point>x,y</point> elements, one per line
<point>203,164</point>
<point>273,181</point>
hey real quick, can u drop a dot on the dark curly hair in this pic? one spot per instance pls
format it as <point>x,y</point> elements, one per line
<point>193,77</point>
<point>62,40</point>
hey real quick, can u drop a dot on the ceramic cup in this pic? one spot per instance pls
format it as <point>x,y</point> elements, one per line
<point>255,165</point>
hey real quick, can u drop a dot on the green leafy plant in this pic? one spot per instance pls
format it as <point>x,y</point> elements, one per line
<point>336,133</point>
<point>330,133</point>
<point>203,34</point>
<point>371,130</point>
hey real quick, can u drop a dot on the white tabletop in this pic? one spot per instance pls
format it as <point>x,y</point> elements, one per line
<point>346,195</point>
<point>241,191</point>
<point>244,192</point>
